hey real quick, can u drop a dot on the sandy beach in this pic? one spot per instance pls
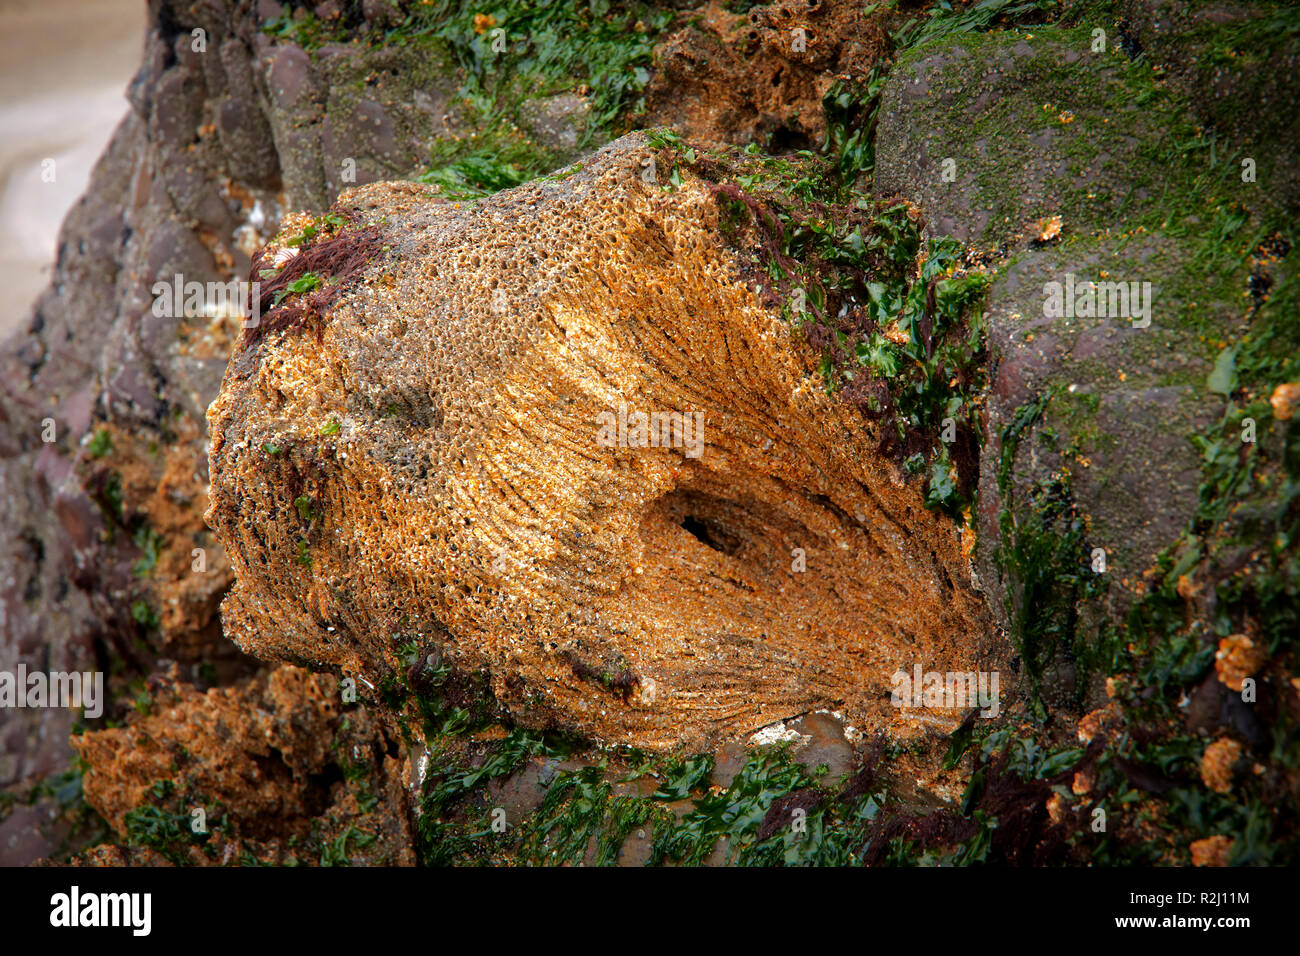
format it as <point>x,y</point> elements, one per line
<point>64,68</point>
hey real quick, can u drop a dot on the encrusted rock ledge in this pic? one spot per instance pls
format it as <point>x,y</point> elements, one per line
<point>422,462</point>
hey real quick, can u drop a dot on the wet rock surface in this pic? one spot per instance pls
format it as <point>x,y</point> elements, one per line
<point>1081,146</point>
<point>1130,393</point>
<point>1091,415</point>
<point>1235,63</point>
<point>759,77</point>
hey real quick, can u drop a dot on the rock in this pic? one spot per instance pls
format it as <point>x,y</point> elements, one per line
<point>637,594</point>
<point>1242,90</point>
<point>990,133</point>
<point>760,77</point>
<point>212,136</point>
<point>522,792</point>
<point>729,761</point>
<point>26,833</point>
<point>177,111</point>
<point>290,78</point>
<point>246,138</point>
<point>268,759</point>
<point>825,746</point>
<point>1213,708</point>
<point>1120,400</point>
<point>1050,131</point>
<point>558,122</point>
<point>197,198</point>
<point>630,594</point>
<point>720,854</point>
<point>636,849</point>
<point>640,787</point>
<point>380,13</point>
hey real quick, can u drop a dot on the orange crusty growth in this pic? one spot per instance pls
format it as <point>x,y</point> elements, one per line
<point>446,433</point>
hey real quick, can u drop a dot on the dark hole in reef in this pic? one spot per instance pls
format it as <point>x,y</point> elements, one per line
<point>316,796</point>
<point>727,521</point>
<point>786,140</point>
<point>710,535</point>
<point>272,766</point>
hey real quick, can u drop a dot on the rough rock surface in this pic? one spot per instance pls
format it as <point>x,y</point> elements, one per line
<point>647,595</point>
<point>223,136</point>
<point>272,763</point>
<point>1129,395</point>
<point>1087,189</point>
<point>219,141</point>
<point>760,77</point>
<point>1239,66</point>
<point>991,133</point>
<point>105,519</point>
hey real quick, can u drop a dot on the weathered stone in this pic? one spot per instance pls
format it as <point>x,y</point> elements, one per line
<point>269,756</point>
<point>1242,90</point>
<point>643,595</point>
<point>1130,395</point>
<point>177,110</point>
<point>729,760</point>
<point>522,792</point>
<point>246,138</point>
<point>166,198</point>
<point>636,849</point>
<point>825,746</point>
<point>558,122</point>
<point>380,13</point>
<point>989,134</point>
<point>760,77</point>
<point>289,77</point>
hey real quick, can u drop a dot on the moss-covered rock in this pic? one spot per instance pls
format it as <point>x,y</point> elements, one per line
<point>1238,64</point>
<point>995,134</point>
<point>1084,166</point>
<point>1122,398</point>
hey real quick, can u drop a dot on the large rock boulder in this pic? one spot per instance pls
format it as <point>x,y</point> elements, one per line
<point>1064,123</point>
<point>1238,64</point>
<point>1087,171</point>
<point>760,76</point>
<point>442,456</point>
<point>280,769</point>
